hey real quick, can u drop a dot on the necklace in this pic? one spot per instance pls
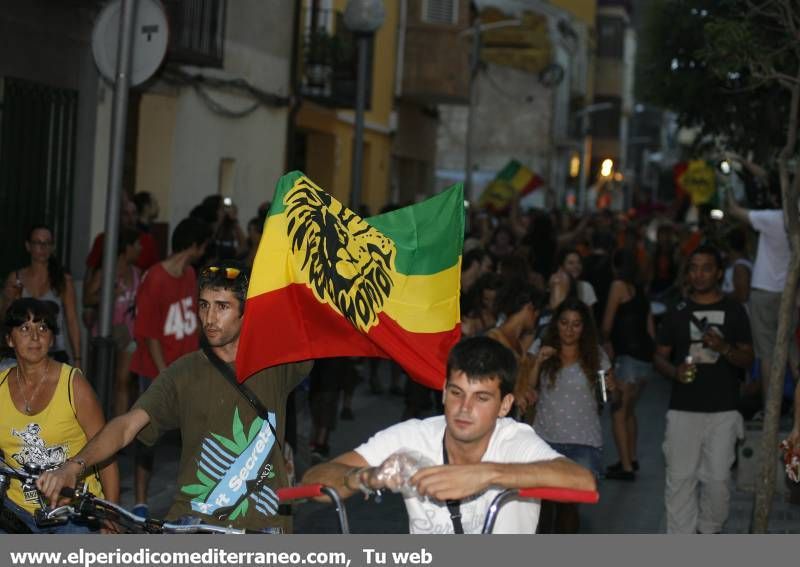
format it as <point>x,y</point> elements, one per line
<point>28,408</point>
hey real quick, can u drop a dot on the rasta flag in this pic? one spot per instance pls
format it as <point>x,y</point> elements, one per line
<point>327,283</point>
<point>514,179</point>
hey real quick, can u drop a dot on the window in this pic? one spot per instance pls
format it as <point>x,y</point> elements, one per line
<point>610,37</point>
<point>197,31</point>
<point>440,12</point>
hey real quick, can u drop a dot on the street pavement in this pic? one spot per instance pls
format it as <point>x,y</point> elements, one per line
<point>624,507</point>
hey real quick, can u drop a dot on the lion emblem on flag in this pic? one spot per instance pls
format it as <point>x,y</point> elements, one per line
<point>349,263</point>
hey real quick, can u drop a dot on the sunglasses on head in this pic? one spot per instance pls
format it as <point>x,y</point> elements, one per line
<point>230,273</point>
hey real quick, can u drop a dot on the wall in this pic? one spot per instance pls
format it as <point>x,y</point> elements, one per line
<point>48,41</point>
<point>512,120</point>
<point>182,142</point>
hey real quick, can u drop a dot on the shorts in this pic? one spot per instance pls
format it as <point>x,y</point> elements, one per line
<point>585,455</point>
<point>629,370</point>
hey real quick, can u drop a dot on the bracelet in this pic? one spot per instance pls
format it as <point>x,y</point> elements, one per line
<point>81,462</point>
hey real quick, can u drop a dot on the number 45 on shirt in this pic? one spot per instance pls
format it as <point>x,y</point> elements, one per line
<point>181,319</point>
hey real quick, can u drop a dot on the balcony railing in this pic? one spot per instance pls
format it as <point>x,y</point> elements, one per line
<point>329,60</point>
<point>196,31</point>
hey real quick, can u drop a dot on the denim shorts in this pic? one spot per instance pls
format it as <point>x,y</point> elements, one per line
<point>632,370</point>
<point>585,455</point>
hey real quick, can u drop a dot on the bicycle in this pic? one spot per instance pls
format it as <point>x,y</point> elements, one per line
<point>564,495</point>
<point>88,507</point>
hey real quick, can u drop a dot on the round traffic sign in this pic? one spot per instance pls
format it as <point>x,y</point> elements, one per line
<point>150,36</point>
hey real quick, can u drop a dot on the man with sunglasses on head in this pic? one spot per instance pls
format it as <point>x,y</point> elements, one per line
<point>165,327</point>
<point>231,462</point>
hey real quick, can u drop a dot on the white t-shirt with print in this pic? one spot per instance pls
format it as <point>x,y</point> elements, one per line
<point>511,442</point>
<point>773,254</point>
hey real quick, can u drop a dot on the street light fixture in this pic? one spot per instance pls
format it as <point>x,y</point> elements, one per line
<point>363,18</point>
<point>606,167</point>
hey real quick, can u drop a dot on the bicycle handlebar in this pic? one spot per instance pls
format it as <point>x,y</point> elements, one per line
<point>560,494</point>
<point>553,494</point>
<point>301,492</point>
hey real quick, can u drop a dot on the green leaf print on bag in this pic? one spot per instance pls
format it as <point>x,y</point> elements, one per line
<point>232,470</point>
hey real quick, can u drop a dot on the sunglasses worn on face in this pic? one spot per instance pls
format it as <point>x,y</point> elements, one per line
<point>230,273</point>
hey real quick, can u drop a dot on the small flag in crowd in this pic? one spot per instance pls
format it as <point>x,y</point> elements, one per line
<point>513,180</point>
<point>327,283</point>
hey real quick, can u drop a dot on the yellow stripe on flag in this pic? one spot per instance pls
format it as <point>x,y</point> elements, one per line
<point>274,268</point>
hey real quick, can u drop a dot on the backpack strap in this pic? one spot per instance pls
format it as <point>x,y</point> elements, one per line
<point>247,393</point>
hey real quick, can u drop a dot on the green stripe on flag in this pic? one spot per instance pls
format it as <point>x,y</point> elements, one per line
<point>430,235</point>
<point>440,218</point>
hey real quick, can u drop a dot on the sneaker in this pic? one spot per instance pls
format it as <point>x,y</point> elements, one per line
<point>347,414</point>
<point>141,510</point>
<point>620,475</point>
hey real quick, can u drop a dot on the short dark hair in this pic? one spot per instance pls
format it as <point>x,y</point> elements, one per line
<point>709,250</point>
<point>21,310</point>
<point>217,277</point>
<point>127,237</point>
<point>142,199</point>
<point>564,252</point>
<point>482,358</point>
<point>516,294</point>
<point>190,231</point>
<point>471,257</point>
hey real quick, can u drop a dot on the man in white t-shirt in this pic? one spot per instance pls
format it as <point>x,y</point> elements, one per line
<point>769,278</point>
<point>470,454</point>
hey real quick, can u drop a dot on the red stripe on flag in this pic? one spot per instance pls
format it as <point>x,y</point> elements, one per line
<point>290,325</point>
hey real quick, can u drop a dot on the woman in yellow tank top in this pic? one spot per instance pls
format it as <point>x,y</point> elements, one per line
<point>48,411</point>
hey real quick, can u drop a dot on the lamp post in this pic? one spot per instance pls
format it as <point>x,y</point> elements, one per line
<point>363,18</point>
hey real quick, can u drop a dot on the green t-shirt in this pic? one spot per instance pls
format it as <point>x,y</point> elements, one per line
<point>230,464</point>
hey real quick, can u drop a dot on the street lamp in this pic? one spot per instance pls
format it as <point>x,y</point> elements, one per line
<point>607,167</point>
<point>363,18</point>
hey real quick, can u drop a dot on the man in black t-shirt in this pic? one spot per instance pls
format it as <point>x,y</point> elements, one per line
<point>703,345</point>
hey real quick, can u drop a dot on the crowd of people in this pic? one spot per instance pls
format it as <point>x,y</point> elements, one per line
<point>562,316</point>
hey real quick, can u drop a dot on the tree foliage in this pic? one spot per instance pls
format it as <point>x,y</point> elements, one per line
<point>696,58</point>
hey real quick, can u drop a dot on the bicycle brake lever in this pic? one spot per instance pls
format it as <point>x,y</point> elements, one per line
<point>64,511</point>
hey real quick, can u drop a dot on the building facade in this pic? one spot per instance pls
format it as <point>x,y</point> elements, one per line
<point>323,123</point>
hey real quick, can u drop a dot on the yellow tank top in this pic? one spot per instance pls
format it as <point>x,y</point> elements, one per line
<point>46,439</point>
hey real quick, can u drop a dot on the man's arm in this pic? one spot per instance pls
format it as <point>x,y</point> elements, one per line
<point>116,434</point>
<point>661,360</point>
<point>735,210</point>
<point>449,482</point>
<point>335,474</point>
<point>156,353</point>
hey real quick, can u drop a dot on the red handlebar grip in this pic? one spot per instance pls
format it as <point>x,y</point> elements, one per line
<point>299,492</point>
<point>561,494</point>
